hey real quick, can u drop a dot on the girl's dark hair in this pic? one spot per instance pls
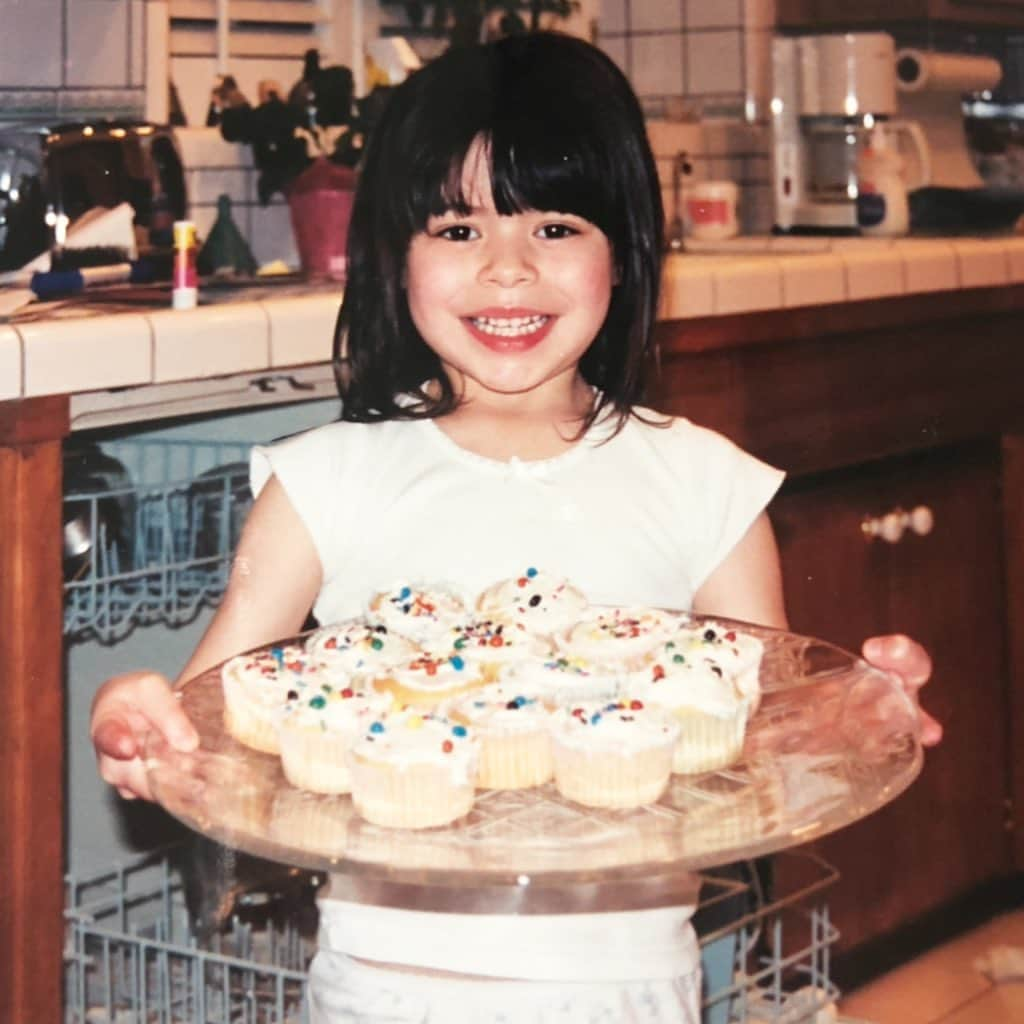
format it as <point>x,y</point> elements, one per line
<point>564,132</point>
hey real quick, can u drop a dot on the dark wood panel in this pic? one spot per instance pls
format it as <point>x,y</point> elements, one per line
<point>946,836</point>
<point>827,15</point>
<point>973,306</point>
<point>843,399</point>
<point>1013,546</point>
<point>31,714</point>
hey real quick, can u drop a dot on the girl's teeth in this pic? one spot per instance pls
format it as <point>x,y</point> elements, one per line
<point>509,327</point>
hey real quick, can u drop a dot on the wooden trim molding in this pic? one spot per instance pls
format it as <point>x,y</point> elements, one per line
<point>28,420</point>
<point>1013,542</point>
<point>804,323</point>
<point>31,711</point>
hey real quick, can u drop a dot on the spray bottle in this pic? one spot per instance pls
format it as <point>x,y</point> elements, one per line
<point>882,208</point>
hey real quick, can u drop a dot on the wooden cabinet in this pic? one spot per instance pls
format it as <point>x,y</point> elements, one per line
<point>871,406</point>
<point>825,15</point>
<point>946,838</point>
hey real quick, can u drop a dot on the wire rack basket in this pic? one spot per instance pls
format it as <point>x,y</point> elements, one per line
<point>780,951</point>
<point>132,954</point>
<point>149,528</point>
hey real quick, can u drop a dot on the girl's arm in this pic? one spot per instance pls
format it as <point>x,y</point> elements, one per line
<point>275,577</point>
<point>748,585</point>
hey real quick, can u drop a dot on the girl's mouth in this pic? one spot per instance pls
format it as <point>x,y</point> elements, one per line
<point>510,333</point>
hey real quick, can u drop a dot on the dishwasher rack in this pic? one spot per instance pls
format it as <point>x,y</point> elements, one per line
<point>132,955</point>
<point>149,529</point>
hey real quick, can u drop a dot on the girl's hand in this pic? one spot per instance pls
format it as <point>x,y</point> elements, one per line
<point>125,711</point>
<point>910,661</point>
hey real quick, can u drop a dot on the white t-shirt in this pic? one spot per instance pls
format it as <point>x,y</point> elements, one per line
<point>643,518</point>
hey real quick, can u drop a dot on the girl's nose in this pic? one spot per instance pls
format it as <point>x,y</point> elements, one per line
<point>507,265</point>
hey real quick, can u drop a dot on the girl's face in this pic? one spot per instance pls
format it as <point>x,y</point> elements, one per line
<point>509,304</point>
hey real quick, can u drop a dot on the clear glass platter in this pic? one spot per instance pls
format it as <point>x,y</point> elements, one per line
<point>832,740</point>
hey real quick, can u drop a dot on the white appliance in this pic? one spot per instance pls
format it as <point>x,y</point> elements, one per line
<point>828,92</point>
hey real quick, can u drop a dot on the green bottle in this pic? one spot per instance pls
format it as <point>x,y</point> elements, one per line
<point>225,251</point>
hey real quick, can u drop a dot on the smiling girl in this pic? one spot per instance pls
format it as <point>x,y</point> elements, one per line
<point>504,258</point>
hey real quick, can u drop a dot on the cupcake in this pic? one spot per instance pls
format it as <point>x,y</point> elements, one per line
<point>257,686</point>
<point>559,679</point>
<point>317,727</point>
<point>358,647</point>
<point>513,727</point>
<point>613,755</point>
<point>621,636</point>
<point>737,653</point>
<point>540,602</point>
<point>491,643</point>
<point>419,612</point>
<point>426,680</point>
<point>413,770</point>
<point>703,698</point>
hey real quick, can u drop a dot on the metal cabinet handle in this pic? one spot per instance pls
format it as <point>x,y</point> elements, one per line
<point>894,524</point>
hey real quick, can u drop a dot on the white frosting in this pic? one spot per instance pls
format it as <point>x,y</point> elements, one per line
<point>502,707</point>
<point>358,647</point>
<point>737,653</point>
<point>541,602</point>
<point>618,634</point>
<point>491,640</point>
<point>407,738</point>
<point>345,709</point>
<point>417,611</point>
<point>559,678</point>
<point>434,673</point>
<point>265,678</point>
<point>617,726</point>
<point>692,682</point>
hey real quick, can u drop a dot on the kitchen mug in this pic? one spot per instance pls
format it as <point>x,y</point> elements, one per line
<point>710,210</point>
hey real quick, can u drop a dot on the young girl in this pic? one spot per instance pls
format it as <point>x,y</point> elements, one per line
<point>504,259</point>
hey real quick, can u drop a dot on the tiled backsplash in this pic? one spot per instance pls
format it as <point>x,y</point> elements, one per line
<point>709,56</point>
<point>706,60</point>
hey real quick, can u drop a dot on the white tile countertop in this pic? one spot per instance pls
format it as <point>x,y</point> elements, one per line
<point>242,347</point>
<point>753,274</point>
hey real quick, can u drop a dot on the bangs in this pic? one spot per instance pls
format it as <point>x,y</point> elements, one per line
<point>542,153</point>
<point>525,174</point>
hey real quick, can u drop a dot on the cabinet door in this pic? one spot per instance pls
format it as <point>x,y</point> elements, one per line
<point>947,834</point>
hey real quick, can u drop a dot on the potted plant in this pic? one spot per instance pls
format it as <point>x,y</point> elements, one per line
<point>466,22</point>
<point>306,146</point>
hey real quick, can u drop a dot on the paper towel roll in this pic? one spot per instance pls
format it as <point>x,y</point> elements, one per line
<point>919,70</point>
<point>929,89</point>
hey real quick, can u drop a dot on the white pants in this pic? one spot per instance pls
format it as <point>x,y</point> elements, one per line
<point>347,991</point>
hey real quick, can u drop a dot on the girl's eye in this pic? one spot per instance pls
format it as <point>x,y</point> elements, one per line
<point>457,233</point>
<point>557,230</point>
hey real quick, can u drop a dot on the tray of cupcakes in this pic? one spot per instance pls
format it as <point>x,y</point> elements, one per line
<point>525,734</point>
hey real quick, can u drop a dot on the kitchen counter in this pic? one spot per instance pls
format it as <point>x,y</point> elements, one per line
<point>75,349</point>
<point>773,344</point>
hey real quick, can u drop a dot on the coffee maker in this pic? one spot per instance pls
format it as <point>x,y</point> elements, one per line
<point>829,91</point>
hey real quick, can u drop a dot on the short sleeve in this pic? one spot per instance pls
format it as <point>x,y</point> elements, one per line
<point>311,468</point>
<point>731,488</point>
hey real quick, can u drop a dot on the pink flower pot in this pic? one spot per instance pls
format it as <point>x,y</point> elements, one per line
<point>320,202</point>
